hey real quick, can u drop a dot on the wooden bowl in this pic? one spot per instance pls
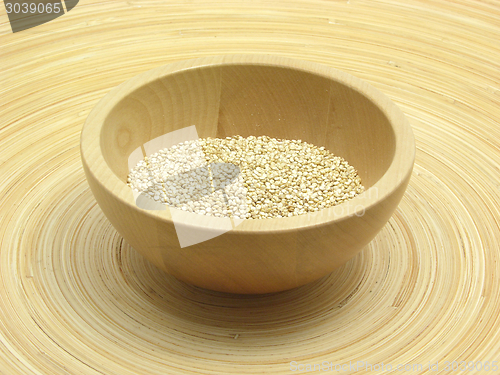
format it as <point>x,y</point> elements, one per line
<point>250,95</point>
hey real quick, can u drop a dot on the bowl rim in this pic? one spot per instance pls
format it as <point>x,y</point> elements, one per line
<point>396,174</point>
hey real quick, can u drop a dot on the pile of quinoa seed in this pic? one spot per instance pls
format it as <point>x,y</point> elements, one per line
<point>246,178</point>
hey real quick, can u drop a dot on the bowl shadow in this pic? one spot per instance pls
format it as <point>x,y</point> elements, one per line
<point>172,298</point>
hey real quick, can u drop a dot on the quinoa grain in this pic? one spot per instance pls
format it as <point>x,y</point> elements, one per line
<point>246,178</point>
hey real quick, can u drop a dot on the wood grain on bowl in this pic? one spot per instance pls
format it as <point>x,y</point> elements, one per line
<point>251,95</point>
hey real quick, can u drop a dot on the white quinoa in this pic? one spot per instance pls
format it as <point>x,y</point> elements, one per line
<point>246,178</point>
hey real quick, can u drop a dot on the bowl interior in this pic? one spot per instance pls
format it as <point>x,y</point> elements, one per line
<point>251,99</point>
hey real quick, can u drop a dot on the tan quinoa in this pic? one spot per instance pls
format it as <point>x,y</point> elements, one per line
<point>246,178</point>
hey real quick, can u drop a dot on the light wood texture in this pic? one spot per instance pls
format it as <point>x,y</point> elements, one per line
<point>251,95</point>
<point>76,299</point>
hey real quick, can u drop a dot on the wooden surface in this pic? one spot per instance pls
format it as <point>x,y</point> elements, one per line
<point>248,94</point>
<point>75,299</point>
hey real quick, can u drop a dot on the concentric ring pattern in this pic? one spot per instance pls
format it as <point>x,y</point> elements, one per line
<point>76,299</point>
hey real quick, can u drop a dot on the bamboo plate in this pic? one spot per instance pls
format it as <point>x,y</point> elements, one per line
<point>76,299</point>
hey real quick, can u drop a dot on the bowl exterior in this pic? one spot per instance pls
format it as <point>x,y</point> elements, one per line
<point>247,262</point>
